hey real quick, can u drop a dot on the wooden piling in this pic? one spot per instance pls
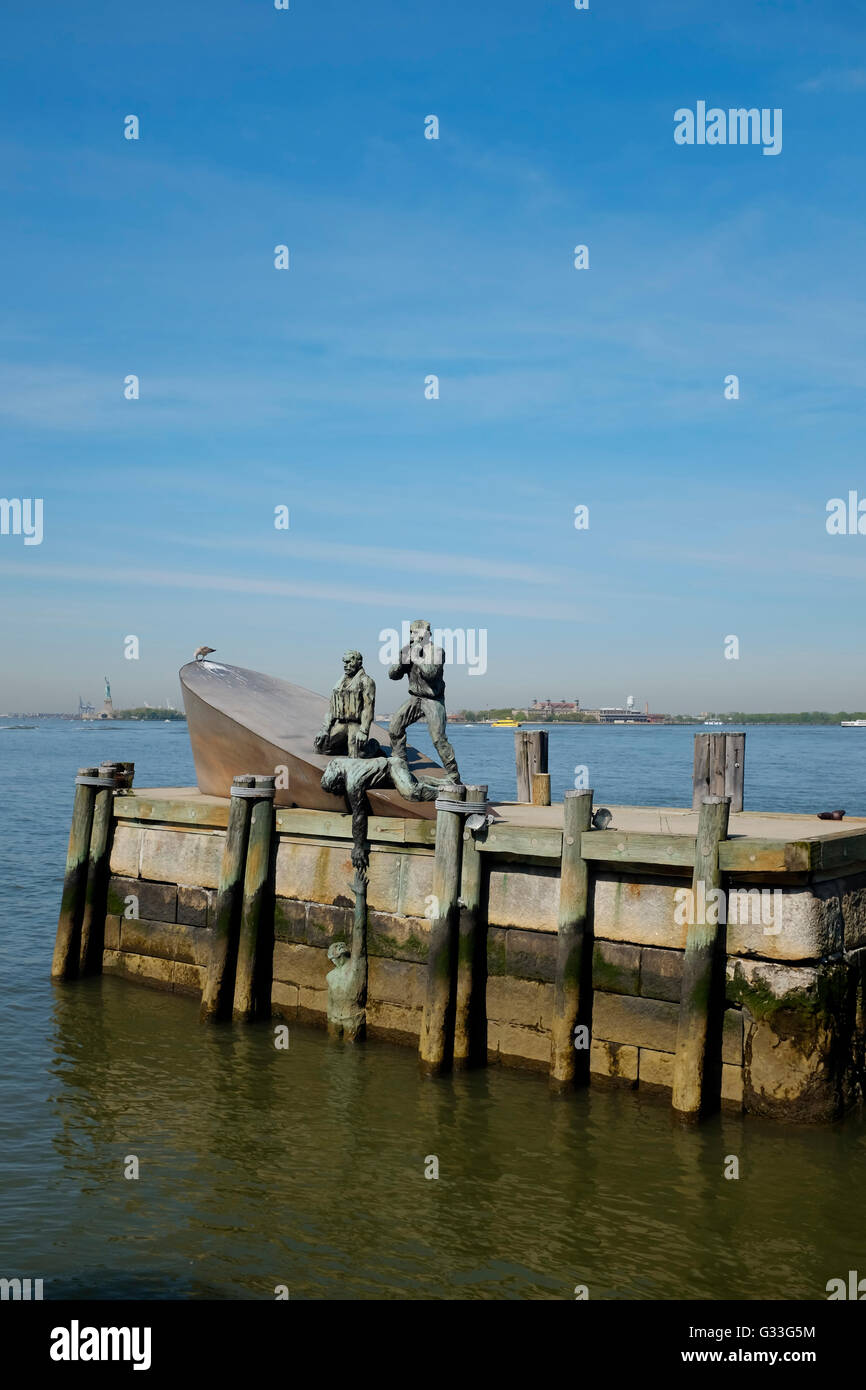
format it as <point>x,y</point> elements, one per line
<point>64,965</point>
<point>530,755</point>
<point>572,988</point>
<point>701,963</point>
<point>96,890</point>
<point>248,1002</point>
<point>735,769</point>
<point>437,1021</point>
<point>471,942</point>
<point>521,760</point>
<point>709,771</point>
<point>217,993</point>
<point>541,788</point>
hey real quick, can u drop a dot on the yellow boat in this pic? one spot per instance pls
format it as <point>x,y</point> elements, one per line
<point>505,723</point>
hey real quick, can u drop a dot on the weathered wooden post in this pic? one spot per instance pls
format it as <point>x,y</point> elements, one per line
<point>470,940</point>
<point>541,788</point>
<point>521,760</point>
<point>735,769</point>
<point>720,765</point>
<point>217,992</point>
<point>709,773</point>
<point>64,965</point>
<point>436,1042</point>
<point>573,959</point>
<point>530,755</point>
<point>700,994</point>
<point>96,890</point>
<point>248,984</point>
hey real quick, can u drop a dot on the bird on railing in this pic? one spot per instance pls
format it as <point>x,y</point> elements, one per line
<point>203,652</point>
<point>601,818</point>
<point>830,815</point>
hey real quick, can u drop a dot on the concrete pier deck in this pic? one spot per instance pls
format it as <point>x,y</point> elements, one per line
<point>791,847</point>
<point>646,820</point>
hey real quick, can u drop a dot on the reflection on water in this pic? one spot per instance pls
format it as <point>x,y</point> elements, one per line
<point>305,1167</point>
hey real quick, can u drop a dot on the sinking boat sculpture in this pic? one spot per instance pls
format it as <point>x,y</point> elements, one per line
<point>242,721</point>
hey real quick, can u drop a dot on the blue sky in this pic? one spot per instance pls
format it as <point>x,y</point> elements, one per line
<point>454,257</point>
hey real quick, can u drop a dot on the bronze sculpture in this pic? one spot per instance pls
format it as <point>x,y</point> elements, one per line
<point>238,718</point>
<point>347,981</point>
<point>350,713</point>
<point>424,664</point>
<point>353,778</point>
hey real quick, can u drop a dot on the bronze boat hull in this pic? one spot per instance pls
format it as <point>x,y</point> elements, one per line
<point>242,721</point>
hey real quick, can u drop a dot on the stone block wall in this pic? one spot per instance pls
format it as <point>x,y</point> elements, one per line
<point>793,1025</point>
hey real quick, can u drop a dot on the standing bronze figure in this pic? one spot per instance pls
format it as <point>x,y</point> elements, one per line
<point>424,665</point>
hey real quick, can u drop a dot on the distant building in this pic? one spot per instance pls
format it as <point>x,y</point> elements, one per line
<point>548,709</point>
<point>627,714</point>
<point>617,714</point>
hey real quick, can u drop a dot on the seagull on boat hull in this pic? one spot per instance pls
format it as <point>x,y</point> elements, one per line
<point>203,652</point>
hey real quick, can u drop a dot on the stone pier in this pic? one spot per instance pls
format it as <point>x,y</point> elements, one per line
<point>792,1034</point>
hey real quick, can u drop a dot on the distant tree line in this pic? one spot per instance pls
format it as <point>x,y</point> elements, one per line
<point>815,716</point>
<point>146,712</point>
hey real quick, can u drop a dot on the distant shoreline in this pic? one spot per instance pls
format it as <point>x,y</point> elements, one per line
<point>811,719</point>
<point>143,716</point>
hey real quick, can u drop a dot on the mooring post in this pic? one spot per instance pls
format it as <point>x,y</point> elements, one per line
<point>735,769</point>
<point>470,940</point>
<point>521,762</point>
<point>217,992</point>
<point>96,890</point>
<point>530,755</point>
<point>64,965</point>
<point>436,1043</point>
<point>248,1002</point>
<point>541,788</point>
<point>701,962</point>
<point>572,987</point>
<point>709,772</point>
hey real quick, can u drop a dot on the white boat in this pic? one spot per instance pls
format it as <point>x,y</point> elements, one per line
<point>853,723</point>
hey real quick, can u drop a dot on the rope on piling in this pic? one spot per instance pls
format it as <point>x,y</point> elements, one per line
<point>465,808</point>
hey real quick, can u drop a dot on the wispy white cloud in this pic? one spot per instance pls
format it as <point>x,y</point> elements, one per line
<point>394,599</point>
<point>836,80</point>
<point>433,562</point>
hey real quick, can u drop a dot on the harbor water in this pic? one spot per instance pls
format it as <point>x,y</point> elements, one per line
<point>307,1168</point>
